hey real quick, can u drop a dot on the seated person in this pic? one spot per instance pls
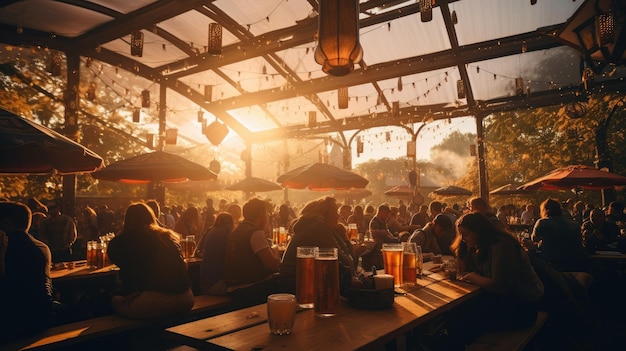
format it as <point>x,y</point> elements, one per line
<point>380,234</point>
<point>318,226</point>
<point>598,232</point>
<point>493,259</point>
<point>250,261</point>
<point>615,212</point>
<point>560,239</point>
<point>396,227</point>
<point>436,237</point>
<point>153,273</point>
<point>214,245</point>
<point>25,290</point>
<point>480,205</point>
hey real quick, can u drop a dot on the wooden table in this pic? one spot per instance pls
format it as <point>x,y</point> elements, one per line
<point>350,329</point>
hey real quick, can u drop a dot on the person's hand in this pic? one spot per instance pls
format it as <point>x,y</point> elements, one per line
<point>468,277</point>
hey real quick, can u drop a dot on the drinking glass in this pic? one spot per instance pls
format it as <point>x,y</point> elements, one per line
<point>409,263</point>
<point>393,255</point>
<point>326,282</point>
<point>189,246</point>
<point>305,275</point>
<point>281,313</point>
<point>353,233</point>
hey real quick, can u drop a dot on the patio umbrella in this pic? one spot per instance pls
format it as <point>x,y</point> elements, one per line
<point>452,190</point>
<point>30,148</point>
<point>321,177</point>
<point>153,167</point>
<point>400,191</point>
<point>576,177</point>
<point>510,189</point>
<point>254,185</point>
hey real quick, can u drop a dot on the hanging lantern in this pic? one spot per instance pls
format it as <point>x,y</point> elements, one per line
<point>200,116</point>
<point>145,98</point>
<point>400,84</point>
<point>395,109</point>
<point>411,148</point>
<point>208,93</point>
<point>170,136</point>
<point>136,43</point>
<point>519,86</point>
<point>338,47</point>
<point>215,166</point>
<point>342,97</point>
<point>150,140</point>
<point>215,39</point>
<point>312,119</point>
<point>455,19</point>
<point>136,115</point>
<point>426,10</point>
<point>215,132</point>
<point>460,89</point>
<point>54,66</point>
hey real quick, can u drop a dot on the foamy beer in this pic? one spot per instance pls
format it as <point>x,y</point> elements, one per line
<point>409,263</point>
<point>393,255</point>
<point>189,246</point>
<point>353,233</point>
<point>305,275</point>
<point>326,282</point>
<point>281,313</point>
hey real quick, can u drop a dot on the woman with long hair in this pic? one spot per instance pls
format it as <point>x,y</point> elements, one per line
<point>153,273</point>
<point>493,259</point>
<point>188,223</point>
<point>213,250</point>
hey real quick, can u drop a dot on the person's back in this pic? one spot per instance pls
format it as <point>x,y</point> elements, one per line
<point>213,253</point>
<point>58,231</point>
<point>25,299</point>
<point>249,260</point>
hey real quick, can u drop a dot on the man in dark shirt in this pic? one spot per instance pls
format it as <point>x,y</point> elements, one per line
<point>250,261</point>
<point>598,233</point>
<point>25,292</point>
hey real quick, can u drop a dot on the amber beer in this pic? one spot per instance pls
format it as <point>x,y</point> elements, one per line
<point>409,270</point>
<point>189,246</point>
<point>326,283</point>
<point>393,255</point>
<point>353,233</point>
<point>92,253</point>
<point>305,275</point>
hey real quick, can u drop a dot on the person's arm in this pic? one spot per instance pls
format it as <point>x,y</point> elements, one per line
<point>267,256</point>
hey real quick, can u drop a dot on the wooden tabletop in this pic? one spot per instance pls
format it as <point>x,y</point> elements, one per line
<point>350,329</point>
<point>608,256</point>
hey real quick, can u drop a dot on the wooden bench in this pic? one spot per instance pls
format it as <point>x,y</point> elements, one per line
<point>508,340</point>
<point>114,325</point>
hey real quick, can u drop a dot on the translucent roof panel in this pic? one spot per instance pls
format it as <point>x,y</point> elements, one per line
<point>362,98</point>
<point>482,20</point>
<point>193,27</point>
<point>69,20</point>
<point>123,6</point>
<point>166,52</point>
<point>405,37</point>
<point>253,118</point>
<point>293,111</point>
<point>221,89</point>
<point>267,15</point>
<point>540,70</point>
<point>301,59</point>
<point>429,88</point>
<point>254,74</point>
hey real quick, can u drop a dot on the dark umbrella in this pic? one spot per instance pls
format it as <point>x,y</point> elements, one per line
<point>576,177</point>
<point>452,190</point>
<point>154,167</point>
<point>30,148</point>
<point>321,177</point>
<point>510,189</point>
<point>254,185</point>
<point>400,191</point>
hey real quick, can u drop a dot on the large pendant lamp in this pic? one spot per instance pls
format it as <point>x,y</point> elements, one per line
<point>338,47</point>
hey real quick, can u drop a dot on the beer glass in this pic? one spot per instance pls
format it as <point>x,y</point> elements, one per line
<point>393,255</point>
<point>92,253</point>
<point>281,313</point>
<point>282,237</point>
<point>305,275</point>
<point>409,263</point>
<point>326,282</point>
<point>189,246</point>
<point>353,233</point>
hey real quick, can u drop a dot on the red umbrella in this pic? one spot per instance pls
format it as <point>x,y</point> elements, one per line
<point>576,176</point>
<point>321,177</point>
<point>153,167</point>
<point>30,148</point>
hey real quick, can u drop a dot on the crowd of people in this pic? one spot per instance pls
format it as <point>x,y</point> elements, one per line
<point>241,258</point>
